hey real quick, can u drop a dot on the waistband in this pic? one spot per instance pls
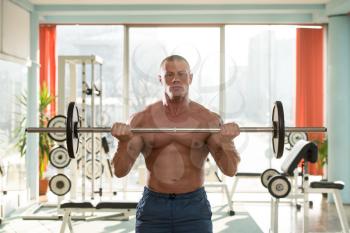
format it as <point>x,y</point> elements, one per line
<point>196,193</point>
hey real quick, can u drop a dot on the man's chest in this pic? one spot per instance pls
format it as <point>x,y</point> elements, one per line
<point>187,140</point>
<point>160,120</point>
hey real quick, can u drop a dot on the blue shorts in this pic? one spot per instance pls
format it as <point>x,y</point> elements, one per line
<point>172,213</point>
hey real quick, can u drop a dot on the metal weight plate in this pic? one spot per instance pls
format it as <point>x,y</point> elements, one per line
<point>73,122</point>
<point>294,137</point>
<point>89,145</point>
<point>279,186</point>
<point>97,166</point>
<point>58,121</point>
<point>279,129</point>
<point>286,138</point>
<point>60,184</point>
<point>59,157</point>
<point>267,175</point>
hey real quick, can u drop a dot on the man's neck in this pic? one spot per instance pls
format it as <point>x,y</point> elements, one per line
<point>176,106</point>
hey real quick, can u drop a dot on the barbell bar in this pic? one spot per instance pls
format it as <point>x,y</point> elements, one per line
<point>73,129</point>
<point>175,130</point>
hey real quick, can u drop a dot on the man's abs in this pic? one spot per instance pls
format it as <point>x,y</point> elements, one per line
<point>175,168</point>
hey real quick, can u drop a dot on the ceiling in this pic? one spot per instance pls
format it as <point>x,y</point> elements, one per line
<point>201,2</point>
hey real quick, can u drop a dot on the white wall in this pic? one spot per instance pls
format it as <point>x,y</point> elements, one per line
<point>15,31</point>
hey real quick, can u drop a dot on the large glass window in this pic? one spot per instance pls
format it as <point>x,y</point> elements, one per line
<point>150,45</point>
<point>260,69</point>
<point>105,41</point>
<point>12,122</point>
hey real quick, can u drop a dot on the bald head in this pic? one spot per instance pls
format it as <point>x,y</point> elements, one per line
<point>173,58</point>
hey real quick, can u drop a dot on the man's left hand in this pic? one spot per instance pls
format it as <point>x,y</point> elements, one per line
<point>229,131</point>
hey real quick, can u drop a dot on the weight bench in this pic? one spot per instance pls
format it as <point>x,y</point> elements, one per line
<point>334,189</point>
<point>83,207</point>
<point>279,186</point>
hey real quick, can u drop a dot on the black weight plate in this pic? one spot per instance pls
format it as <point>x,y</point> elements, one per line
<point>279,129</point>
<point>73,122</point>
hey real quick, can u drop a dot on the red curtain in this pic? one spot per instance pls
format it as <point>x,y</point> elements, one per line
<point>47,41</point>
<point>309,83</point>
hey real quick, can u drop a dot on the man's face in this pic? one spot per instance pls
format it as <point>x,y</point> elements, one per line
<point>176,78</point>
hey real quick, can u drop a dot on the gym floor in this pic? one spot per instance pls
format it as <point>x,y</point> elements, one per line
<point>251,217</point>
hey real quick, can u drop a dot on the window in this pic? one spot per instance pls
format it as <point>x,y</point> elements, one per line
<point>107,43</point>
<point>13,79</point>
<point>150,45</point>
<point>259,69</point>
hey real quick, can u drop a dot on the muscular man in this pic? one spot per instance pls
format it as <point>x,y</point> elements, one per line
<point>174,199</point>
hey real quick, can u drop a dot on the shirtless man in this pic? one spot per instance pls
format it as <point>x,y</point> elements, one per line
<point>174,199</point>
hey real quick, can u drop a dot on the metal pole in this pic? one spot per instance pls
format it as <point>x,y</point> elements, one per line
<point>83,122</point>
<point>92,108</point>
<point>305,129</point>
<point>176,130</point>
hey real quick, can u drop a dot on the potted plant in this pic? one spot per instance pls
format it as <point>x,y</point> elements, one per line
<point>45,142</point>
<point>323,159</point>
<point>323,156</point>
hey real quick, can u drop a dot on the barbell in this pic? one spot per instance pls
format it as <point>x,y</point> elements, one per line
<point>73,129</point>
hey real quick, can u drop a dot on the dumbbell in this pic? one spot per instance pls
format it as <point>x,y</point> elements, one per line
<point>278,184</point>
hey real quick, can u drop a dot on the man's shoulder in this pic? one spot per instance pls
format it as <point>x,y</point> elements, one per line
<point>141,116</point>
<point>151,109</point>
<point>154,106</point>
<point>205,112</point>
<point>200,108</point>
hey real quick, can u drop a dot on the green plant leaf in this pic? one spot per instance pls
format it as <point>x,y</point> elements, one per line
<point>20,136</point>
<point>322,151</point>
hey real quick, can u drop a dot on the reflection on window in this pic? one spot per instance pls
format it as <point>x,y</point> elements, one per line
<point>103,41</point>
<point>149,46</point>
<point>106,42</point>
<point>260,69</point>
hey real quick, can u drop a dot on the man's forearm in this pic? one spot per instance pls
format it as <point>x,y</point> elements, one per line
<point>124,158</point>
<point>228,158</point>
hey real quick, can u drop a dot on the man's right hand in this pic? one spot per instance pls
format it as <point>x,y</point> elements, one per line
<point>121,131</point>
